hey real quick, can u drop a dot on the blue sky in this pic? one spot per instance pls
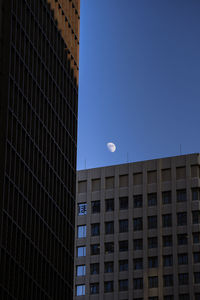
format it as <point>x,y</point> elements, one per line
<point>139,80</point>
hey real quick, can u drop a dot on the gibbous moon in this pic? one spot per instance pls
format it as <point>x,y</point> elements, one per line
<point>111,147</point>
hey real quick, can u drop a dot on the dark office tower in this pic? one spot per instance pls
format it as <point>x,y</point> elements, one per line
<point>39,42</point>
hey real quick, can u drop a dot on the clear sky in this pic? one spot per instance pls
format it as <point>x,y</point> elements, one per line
<point>139,83</point>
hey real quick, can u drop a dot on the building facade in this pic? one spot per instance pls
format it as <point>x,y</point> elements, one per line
<point>39,46</point>
<point>138,231</point>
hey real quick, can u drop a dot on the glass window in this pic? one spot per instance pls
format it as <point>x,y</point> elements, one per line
<point>109,247</point>
<point>167,220</point>
<point>195,216</point>
<point>168,280</point>
<point>123,285</point>
<point>80,290</point>
<point>167,260</point>
<point>137,224</point>
<point>95,207</point>
<point>109,227</point>
<point>166,197</point>
<point>152,242</point>
<point>82,231</point>
<point>138,264</point>
<point>196,257</point>
<point>109,267</point>
<point>94,268</point>
<point>123,225</point>
<point>80,270</point>
<point>153,282</point>
<point>153,262</point>
<point>182,218</point>
<point>137,201</point>
<point>195,194</point>
<point>181,195</point>
<point>152,222</point>
<point>123,246</point>
<point>81,251</point>
<point>123,203</point>
<point>196,237</point>
<point>108,286</point>
<point>183,278</point>
<point>94,288</point>
<point>138,283</point>
<point>95,249</point>
<point>183,259</point>
<point>182,239</point>
<point>82,209</point>
<point>184,297</point>
<point>197,277</point>
<point>123,265</point>
<point>167,240</point>
<point>152,199</point>
<point>197,296</point>
<point>137,244</point>
<point>169,297</point>
<point>95,229</point>
<point>109,204</point>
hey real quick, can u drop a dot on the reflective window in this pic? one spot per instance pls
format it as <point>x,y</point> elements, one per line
<point>81,251</point>
<point>80,270</point>
<point>95,207</point>
<point>82,209</point>
<point>94,288</point>
<point>81,231</point>
<point>109,267</point>
<point>80,290</point>
<point>94,268</point>
<point>95,229</point>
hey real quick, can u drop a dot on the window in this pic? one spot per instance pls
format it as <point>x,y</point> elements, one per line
<point>108,286</point>
<point>166,174</point>
<point>80,290</point>
<point>181,195</point>
<point>81,231</point>
<point>96,184</point>
<point>195,216</point>
<point>137,201</point>
<point>153,262</point>
<point>110,182</point>
<point>81,251</point>
<point>196,237</point>
<point>151,177</point>
<point>137,224</point>
<point>109,247</point>
<point>153,282</point>
<point>197,277</point>
<point>167,260</point>
<point>82,186</point>
<point>95,249</point>
<point>180,173</point>
<point>195,194</point>
<point>167,240</point>
<point>137,178</point>
<point>123,265</point>
<point>95,229</point>
<point>123,226</point>
<point>123,285</point>
<point>169,297</point>
<point>196,257</point>
<point>138,283</point>
<point>166,197</point>
<point>183,259</point>
<point>182,218</point>
<point>182,239</point>
<point>94,288</point>
<point>152,222</point>
<point>123,180</point>
<point>197,296</point>
<point>123,203</point>
<point>184,297</point>
<point>82,209</point>
<point>152,242</point>
<point>168,280</point>
<point>109,227</point>
<point>94,268</point>
<point>138,264</point>
<point>137,244</point>
<point>109,267</point>
<point>183,278</point>
<point>123,246</point>
<point>109,204</point>
<point>152,199</point>
<point>95,207</point>
<point>80,270</point>
<point>167,220</point>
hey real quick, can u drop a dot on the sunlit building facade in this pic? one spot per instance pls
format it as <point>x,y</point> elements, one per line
<point>138,231</point>
<point>39,65</point>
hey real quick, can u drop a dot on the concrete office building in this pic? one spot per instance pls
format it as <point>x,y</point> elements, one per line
<point>138,231</point>
<point>39,57</point>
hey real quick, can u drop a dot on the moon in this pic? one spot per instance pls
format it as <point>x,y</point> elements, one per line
<point>111,147</point>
